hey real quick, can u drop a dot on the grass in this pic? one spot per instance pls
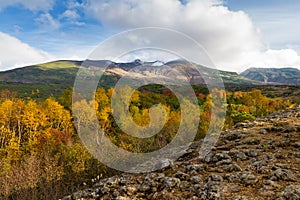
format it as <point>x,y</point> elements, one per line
<point>58,65</point>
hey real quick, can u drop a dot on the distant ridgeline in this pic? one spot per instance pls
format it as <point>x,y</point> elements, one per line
<point>43,80</point>
<point>284,76</point>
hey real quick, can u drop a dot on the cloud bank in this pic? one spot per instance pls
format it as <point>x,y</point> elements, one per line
<point>14,53</point>
<point>230,38</point>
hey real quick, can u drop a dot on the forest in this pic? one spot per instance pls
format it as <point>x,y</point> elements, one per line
<point>42,156</point>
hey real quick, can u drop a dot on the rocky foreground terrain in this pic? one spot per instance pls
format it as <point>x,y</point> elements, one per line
<point>255,160</point>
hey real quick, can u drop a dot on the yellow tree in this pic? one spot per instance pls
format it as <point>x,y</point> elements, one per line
<point>34,120</point>
<point>57,117</point>
<point>101,98</point>
<point>6,132</point>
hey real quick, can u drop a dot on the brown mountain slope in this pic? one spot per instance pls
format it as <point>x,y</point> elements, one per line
<point>255,160</point>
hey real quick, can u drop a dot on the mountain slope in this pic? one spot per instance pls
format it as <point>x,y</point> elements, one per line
<point>65,71</point>
<point>289,76</point>
<point>53,77</point>
<point>40,81</point>
<point>53,72</point>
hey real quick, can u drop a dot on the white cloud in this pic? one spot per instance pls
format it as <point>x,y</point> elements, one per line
<point>277,58</point>
<point>46,21</point>
<point>230,38</point>
<point>72,16</point>
<point>14,53</point>
<point>74,4</point>
<point>33,5</point>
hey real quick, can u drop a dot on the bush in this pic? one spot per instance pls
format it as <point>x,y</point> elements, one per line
<point>241,116</point>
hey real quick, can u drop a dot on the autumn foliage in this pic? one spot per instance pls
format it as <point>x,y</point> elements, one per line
<point>42,157</point>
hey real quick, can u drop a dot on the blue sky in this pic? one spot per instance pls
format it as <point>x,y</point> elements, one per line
<point>42,30</point>
<point>278,20</point>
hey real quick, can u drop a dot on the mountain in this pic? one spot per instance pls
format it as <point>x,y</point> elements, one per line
<point>255,160</point>
<point>287,76</point>
<point>187,71</point>
<point>65,71</point>
<point>53,77</point>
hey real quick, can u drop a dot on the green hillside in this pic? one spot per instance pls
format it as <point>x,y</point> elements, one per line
<point>52,73</point>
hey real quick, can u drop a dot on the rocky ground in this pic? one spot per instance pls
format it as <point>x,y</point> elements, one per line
<point>255,160</point>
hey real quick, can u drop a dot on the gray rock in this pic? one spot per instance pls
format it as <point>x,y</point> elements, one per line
<point>291,192</point>
<point>161,164</point>
<point>104,190</point>
<point>285,143</point>
<point>67,198</point>
<point>193,172</point>
<point>283,174</point>
<point>296,154</point>
<point>252,153</point>
<point>216,157</point>
<point>195,167</point>
<point>181,175</point>
<point>210,191</point>
<point>281,165</point>
<point>296,145</point>
<point>170,182</point>
<point>263,131</point>
<point>209,158</point>
<point>115,193</point>
<point>145,187</point>
<point>237,155</point>
<point>257,164</point>
<point>233,136</point>
<point>267,145</point>
<point>239,198</point>
<point>214,178</point>
<point>76,195</point>
<point>122,181</point>
<point>159,177</point>
<point>252,141</point>
<point>263,170</point>
<point>196,179</point>
<point>224,162</point>
<point>184,185</point>
<point>244,125</point>
<point>248,178</point>
<point>232,168</point>
<point>272,184</point>
<point>289,129</point>
<point>113,181</point>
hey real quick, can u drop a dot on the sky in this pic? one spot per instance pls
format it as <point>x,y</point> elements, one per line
<point>236,34</point>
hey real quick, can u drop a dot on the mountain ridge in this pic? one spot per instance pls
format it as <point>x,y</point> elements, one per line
<point>286,75</point>
<point>53,77</point>
<point>46,72</point>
